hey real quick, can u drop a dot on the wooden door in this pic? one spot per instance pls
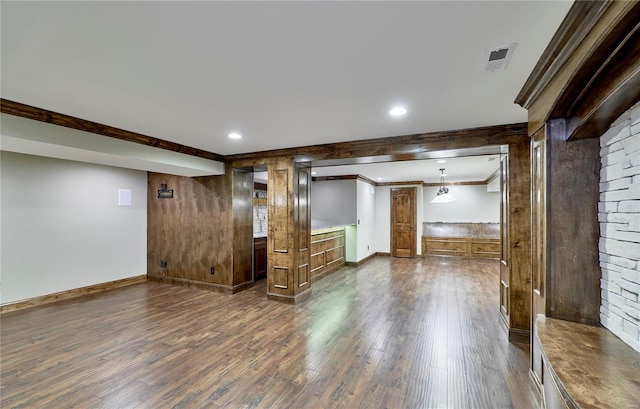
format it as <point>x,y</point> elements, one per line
<point>403,222</point>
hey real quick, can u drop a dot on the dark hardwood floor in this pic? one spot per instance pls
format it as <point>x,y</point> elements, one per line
<point>394,333</point>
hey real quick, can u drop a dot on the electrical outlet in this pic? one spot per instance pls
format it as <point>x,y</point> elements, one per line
<point>367,247</point>
<point>163,264</point>
<point>213,270</point>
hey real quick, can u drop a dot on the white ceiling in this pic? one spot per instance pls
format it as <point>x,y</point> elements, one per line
<point>283,74</point>
<point>465,169</point>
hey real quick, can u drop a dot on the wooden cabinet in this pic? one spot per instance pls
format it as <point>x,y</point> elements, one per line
<point>461,246</point>
<point>327,252</point>
<point>259,258</point>
<point>565,231</point>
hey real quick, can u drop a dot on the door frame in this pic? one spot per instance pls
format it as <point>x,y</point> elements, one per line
<point>414,220</point>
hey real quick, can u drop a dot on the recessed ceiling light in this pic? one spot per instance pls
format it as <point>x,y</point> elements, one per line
<point>379,178</point>
<point>441,161</point>
<point>398,111</point>
<point>314,173</point>
<point>234,135</point>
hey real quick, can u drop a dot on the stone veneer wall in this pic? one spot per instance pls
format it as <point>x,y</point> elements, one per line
<point>619,217</point>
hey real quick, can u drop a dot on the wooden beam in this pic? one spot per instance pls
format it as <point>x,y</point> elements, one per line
<point>407,147</point>
<point>68,121</point>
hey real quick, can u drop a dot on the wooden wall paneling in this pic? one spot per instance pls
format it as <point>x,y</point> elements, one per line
<point>572,188</point>
<point>242,203</point>
<point>192,232</point>
<point>289,229</point>
<point>302,203</point>
<point>280,221</point>
<point>519,240</point>
<point>505,262</point>
<point>279,207</point>
<point>538,244</point>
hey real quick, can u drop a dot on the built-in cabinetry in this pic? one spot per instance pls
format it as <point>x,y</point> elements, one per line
<point>327,251</point>
<point>585,79</point>
<point>461,239</point>
<point>595,370</point>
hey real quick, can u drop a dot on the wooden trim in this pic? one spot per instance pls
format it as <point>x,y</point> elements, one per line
<point>366,259</point>
<point>329,178</point>
<point>290,299</point>
<point>470,183</point>
<point>406,147</point>
<point>68,121</point>
<point>409,183</point>
<point>580,19</point>
<point>588,76</point>
<point>383,254</point>
<point>367,180</point>
<point>519,335</point>
<point>75,292</point>
<point>201,285</point>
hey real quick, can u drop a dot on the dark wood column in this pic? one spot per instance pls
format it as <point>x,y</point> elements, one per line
<point>289,230</point>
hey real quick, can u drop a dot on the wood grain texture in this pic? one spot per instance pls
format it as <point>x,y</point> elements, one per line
<point>289,229</point>
<point>327,252</point>
<point>574,28</point>
<point>461,246</point>
<point>519,188</point>
<point>590,366</point>
<point>408,145</point>
<point>242,204</point>
<point>572,230</point>
<point>68,121</point>
<point>394,333</point>
<point>193,231</point>
<point>76,292</point>
<point>403,222</point>
<point>596,74</point>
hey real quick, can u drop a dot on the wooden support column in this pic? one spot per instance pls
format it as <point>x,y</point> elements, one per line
<point>289,195</point>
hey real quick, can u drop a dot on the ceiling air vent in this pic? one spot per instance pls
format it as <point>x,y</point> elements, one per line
<point>497,58</point>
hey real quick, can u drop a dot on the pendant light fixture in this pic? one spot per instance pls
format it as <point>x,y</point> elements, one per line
<point>443,195</point>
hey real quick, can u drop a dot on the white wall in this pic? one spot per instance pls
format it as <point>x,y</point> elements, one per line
<point>333,202</point>
<point>383,217</point>
<point>366,204</point>
<point>62,227</point>
<point>619,216</point>
<point>474,205</point>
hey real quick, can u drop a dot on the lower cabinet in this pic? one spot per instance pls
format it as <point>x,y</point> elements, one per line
<point>327,252</point>
<point>461,246</point>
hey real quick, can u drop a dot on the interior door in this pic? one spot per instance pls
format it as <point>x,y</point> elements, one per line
<point>403,222</point>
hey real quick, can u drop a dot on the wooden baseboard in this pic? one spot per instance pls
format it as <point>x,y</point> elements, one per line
<point>519,335</point>
<point>366,259</point>
<point>201,285</point>
<point>383,254</point>
<point>76,292</point>
<point>290,299</point>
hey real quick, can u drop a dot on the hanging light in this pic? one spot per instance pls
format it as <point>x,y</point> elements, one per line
<point>443,195</point>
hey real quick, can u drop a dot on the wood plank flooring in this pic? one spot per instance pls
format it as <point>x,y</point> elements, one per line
<point>393,333</point>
